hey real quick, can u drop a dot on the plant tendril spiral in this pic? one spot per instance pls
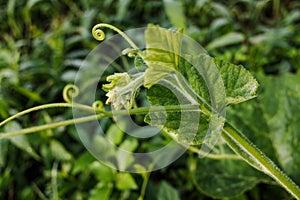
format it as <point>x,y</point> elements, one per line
<point>70,91</point>
<point>98,106</point>
<point>99,35</point>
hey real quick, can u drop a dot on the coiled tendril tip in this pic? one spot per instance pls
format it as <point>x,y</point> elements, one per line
<point>99,35</point>
<point>98,106</point>
<point>70,91</point>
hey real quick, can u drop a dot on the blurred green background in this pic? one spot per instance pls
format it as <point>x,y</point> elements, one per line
<point>42,44</point>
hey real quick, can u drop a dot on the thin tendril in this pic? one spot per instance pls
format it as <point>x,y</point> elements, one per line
<point>99,35</point>
<point>70,91</point>
<point>52,105</point>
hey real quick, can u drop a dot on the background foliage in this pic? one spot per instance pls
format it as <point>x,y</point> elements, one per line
<point>42,46</point>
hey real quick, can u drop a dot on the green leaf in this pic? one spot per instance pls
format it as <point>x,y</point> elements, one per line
<point>58,151</point>
<point>249,118</point>
<point>101,191</point>
<point>225,178</point>
<point>3,153</point>
<point>167,192</point>
<point>84,160</point>
<point>175,12</point>
<point>124,181</point>
<point>129,144</point>
<point>271,122</point>
<point>20,141</point>
<point>239,83</point>
<point>281,100</point>
<point>123,6</point>
<point>124,156</point>
<point>225,40</point>
<point>115,132</point>
<point>171,121</point>
<point>162,54</point>
<point>162,58</point>
<point>102,172</point>
<point>103,147</point>
<point>3,108</point>
<point>30,94</point>
<point>191,79</point>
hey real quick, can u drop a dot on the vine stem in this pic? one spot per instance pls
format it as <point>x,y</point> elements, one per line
<point>235,139</point>
<point>102,114</point>
<point>144,185</point>
<point>50,126</point>
<point>255,157</point>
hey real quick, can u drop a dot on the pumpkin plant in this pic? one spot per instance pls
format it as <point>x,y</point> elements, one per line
<point>188,92</point>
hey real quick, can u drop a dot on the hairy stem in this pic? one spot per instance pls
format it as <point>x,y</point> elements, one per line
<point>213,156</point>
<point>251,154</point>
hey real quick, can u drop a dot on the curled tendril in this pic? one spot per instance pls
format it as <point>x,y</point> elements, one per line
<point>98,106</point>
<point>99,35</point>
<point>70,91</point>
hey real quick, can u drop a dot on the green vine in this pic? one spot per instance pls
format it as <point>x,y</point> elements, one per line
<point>237,141</point>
